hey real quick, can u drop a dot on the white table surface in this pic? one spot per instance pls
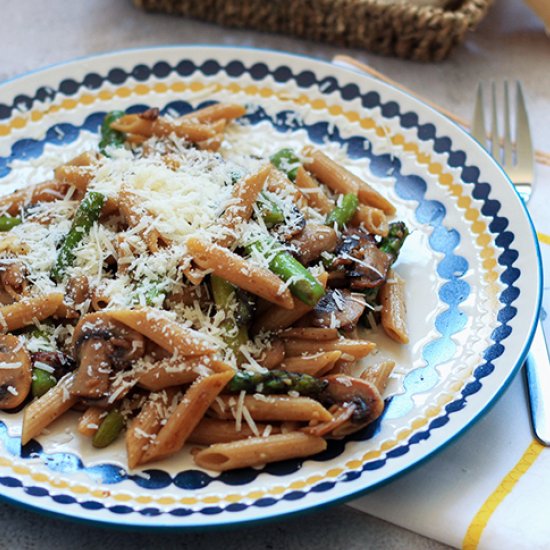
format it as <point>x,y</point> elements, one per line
<point>510,43</point>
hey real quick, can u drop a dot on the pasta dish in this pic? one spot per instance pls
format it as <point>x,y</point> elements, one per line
<point>176,290</point>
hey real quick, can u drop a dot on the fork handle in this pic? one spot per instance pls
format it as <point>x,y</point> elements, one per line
<point>538,380</point>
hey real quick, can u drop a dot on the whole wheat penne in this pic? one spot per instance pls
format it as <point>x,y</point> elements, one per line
<point>160,127</point>
<point>175,372</point>
<point>354,348</point>
<point>379,374</point>
<point>215,142</point>
<point>48,191</point>
<point>236,270</point>
<point>273,355</point>
<point>245,193</point>
<point>187,415</point>
<point>89,422</point>
<point>272,407</point>
<point>372,219</point>
<point>343,181</point>
<point>315,196</point>
<point>259,450</point>
<point>276,318</point>
<point>144,428</point>
<point>133,215</point>
<point>393,315</point>
<point>277,182</point>
<point>314,365</point>
<point>212,430</point>
<point>168,334</point>
<point>310,333</point>
<point>44,410</point>
<point>218,111</point>
<point>76,175</point>
<point>29,310</point>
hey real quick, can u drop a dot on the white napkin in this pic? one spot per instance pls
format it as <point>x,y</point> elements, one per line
<point>491,488</point>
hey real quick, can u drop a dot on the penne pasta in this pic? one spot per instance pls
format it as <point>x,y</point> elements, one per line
<point>143,429</point>
<point>343,181</point>
<point>186,416</point>
<point>133,215</point>
<point>245,194</point>
<point>393,315</point>
<point>273,408</point>
<point>28,311</point>
<point>379,374</point>
<point>176,372</point>
<point>90,420</point>
<point>315,196</point>
<point>372,219</point>
<point>48,191</point>
<point>355,348</point>
<point>168,334</point>
<point>273,355</point>
<point>218,111</point>
<point>259,450</point>
<point>314,365</point>
<point>44,410</point>
<point>162,127</point>
<point>211,430</point>
<point>236,270</point>
<point>310,333</point>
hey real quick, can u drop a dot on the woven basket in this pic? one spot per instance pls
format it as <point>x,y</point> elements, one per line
<point>402,30</point>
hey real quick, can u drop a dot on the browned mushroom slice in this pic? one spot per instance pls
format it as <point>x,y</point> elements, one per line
<point>314,240</point>
<point>350,392</point>
<point>102,346</point>
<point>366,265</point>
<point>15,372</point>
<point>338,309</point>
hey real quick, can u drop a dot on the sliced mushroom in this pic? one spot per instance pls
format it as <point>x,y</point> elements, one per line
<point>314,240</point>
<point>102,346</point>
<point>338,309</point>
<point>15,372</point>
<point>366,265</point>
<point>349,392</point>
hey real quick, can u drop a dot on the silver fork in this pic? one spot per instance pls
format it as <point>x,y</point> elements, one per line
<point>519,165</point>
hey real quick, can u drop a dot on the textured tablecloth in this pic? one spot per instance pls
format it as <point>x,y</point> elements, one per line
<point>511,42</point>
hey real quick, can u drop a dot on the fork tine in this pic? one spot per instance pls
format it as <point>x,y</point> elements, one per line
<point>508,160</point>
<point>478,122</point>
<point>523,134</point>
<point>495,144</point>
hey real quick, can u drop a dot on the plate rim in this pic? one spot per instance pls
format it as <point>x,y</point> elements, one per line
<point>217,523</point>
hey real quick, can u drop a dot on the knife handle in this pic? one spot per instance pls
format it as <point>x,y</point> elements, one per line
<point>538,380</point>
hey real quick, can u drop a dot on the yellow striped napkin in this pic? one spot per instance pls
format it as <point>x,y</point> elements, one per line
<point>491,488</point>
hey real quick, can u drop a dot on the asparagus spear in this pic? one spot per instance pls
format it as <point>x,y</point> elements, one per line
<point>87,213</point>
<point>287,161</point>
<point>108,430</point>
<point>276,382</point>
<point>42,381</point>
<point>7,222</point>
<point>224,293</point>
<point>392,243</point>
<point>110,137</point>
<point>271,213</point>
<point>302,283</point>
<point>342,214</point>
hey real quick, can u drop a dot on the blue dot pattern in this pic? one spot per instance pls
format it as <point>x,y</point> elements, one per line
<point>409,187</point>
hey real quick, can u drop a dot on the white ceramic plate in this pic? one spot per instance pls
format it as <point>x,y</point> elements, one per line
<point>471,266</point>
